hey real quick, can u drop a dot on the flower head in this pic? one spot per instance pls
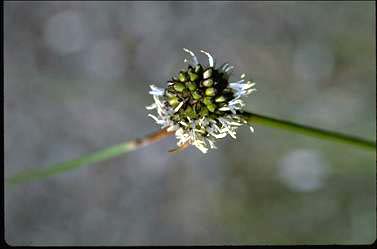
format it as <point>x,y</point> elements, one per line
<point>200,104</point>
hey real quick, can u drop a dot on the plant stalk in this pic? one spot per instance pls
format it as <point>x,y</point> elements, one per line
<point>114,151</point>
<point>253,118</point>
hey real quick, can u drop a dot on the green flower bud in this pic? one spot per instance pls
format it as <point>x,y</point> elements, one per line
<point>220,99</point>
<point>208,82</point>
<point>193,76</point>
<point>196,95</point>
<point>211,107</point>
<point>197,106</point>
<point>182,77</point>
<point>169,93</point>
<point>203,111</point>
<point>190,112</point>
<point>210,91</point>
<point>212,115</point>
<point>173,101</point>
<point>184,95</point>
<point>198,69</point>
<point>207,101</point>
<point>179,87</point>
<point>207,73</point>
<point>191,86</point>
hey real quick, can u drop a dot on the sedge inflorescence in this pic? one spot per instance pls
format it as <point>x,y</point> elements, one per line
<point>200,104</point>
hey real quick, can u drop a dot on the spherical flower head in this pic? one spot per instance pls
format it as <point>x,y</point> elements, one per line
<point>200,104</point>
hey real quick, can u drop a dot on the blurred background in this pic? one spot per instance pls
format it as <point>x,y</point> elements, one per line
<point>77,77</point>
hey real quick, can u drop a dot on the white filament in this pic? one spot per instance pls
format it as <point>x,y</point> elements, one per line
<point>210,58</point>
<point>195,60</point>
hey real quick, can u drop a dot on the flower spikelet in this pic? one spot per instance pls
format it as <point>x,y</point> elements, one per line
<point>200,104</point>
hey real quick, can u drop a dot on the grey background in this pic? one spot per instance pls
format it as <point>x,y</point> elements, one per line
<point>77,76</point>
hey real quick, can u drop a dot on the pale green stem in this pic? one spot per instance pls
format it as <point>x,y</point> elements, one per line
<point>309,131</point>
<point>117,150</point>
<point>114,151</point>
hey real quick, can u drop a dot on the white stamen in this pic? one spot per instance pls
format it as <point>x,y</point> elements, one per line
<point>236,103</point>
<point>236,83</point>
<point>224,108</point>
<point>151,107</point>
<point>183,123</point>
<point>224,66</point>
<point>156,90</point>
<point>201,147</point>
<point>195,60</point>
<point>179,106</point>
<point>229,68</point>
<point>211,144</point>
<point>158,121</point>
<point>200,131</point>
<point>250,91</point>
<point>172,128</point>
<point>220,135</point>
<point>210,58</point>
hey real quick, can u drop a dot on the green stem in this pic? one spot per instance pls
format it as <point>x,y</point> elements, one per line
<point>114,151</point>
<point>307,130</point>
